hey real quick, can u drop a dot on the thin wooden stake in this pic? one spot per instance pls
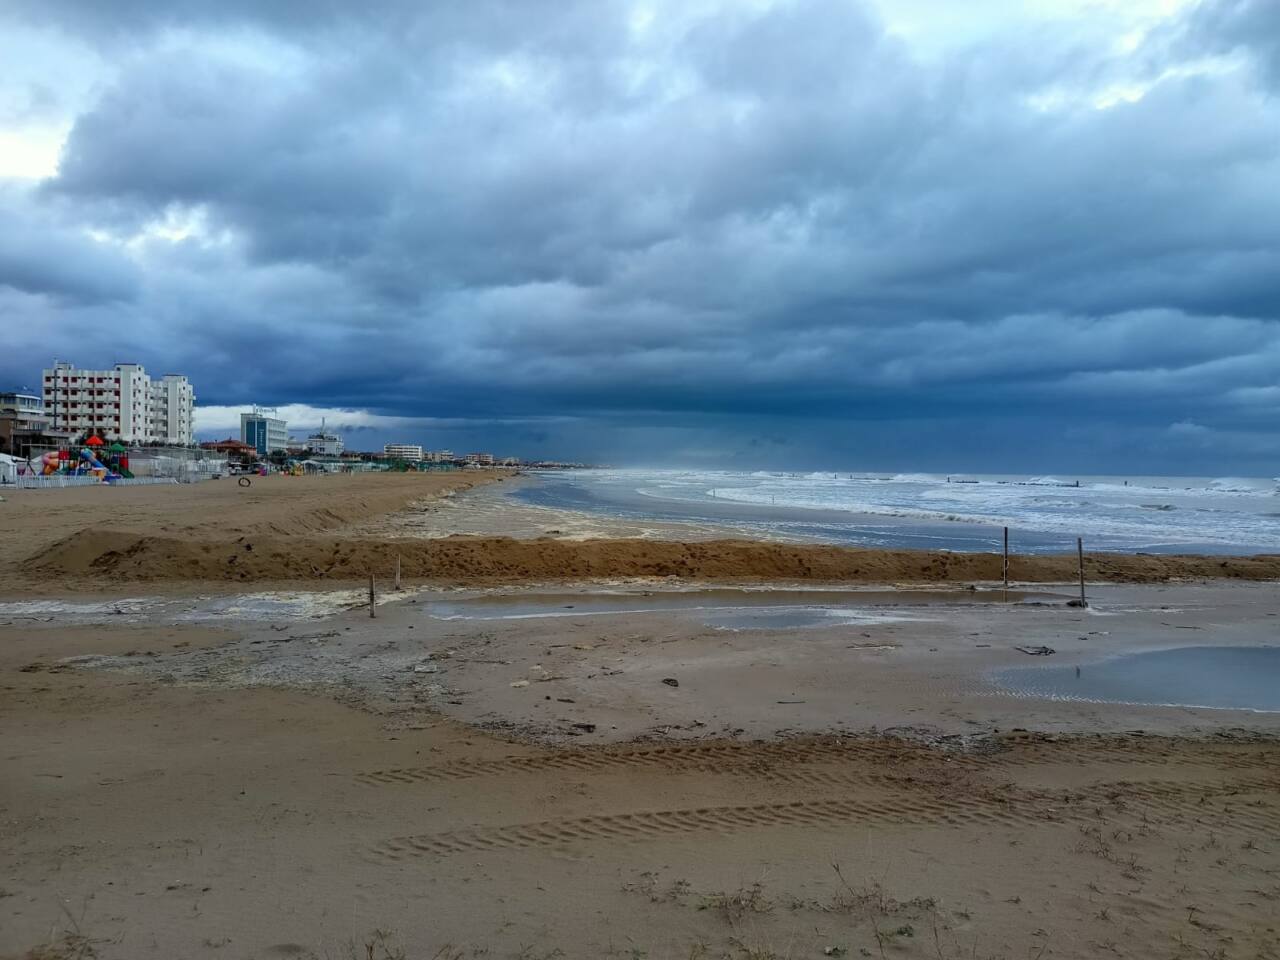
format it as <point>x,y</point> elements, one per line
<point>397,571</point>
<point>1080,553</point>
<point>372,596</point>
<point>1006,563</point>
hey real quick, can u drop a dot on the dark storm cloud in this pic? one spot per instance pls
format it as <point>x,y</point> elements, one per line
<point>655,221</point>
<point>40,257</point>
<point>1250,25</point>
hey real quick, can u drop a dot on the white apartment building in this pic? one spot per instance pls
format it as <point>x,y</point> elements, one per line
<point>121,402</point>
<point>324,443</point>
<point>173,402</point>
<point>402,451</point>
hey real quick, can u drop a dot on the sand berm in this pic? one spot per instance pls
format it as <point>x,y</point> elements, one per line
<point>292,530</point>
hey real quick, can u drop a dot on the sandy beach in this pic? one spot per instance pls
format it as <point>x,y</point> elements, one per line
<point>597,743</point>
<point>335,530</point>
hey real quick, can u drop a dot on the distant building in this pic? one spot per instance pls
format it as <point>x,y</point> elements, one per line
<point>23,423</point>
<point>324,443</point>
<point>173,402</point>
<point>440,456</point>
<point>480,459</point>
<point>21,404</point>
<point>264,433</point>
<point>121,402</point>
<point>230,447</point>
<point>402,451</point>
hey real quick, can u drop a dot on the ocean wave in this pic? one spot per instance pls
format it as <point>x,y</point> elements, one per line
<point>1140,513</point>
<point>1242,485</point>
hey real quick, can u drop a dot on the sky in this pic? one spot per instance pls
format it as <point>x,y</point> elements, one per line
<point>867,234</point>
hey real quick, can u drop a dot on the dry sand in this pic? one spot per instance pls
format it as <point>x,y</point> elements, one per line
<point>348,787</point>
<point>215,514</point>
<point>127,556</point>
<point>312,529</point>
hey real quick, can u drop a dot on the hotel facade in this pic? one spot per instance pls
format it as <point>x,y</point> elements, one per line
<point>120,402</point>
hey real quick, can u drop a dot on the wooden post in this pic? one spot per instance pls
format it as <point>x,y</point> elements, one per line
<point>1006,563</point>
<point>372,596</point>
<point>1080,554</point>
<point>397,571</point>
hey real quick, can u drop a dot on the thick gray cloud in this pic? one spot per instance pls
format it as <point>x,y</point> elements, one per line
<point>770,232</point>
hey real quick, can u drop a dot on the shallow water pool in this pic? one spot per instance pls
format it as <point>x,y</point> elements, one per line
<point>727,609</point>
<point>1228,678</point>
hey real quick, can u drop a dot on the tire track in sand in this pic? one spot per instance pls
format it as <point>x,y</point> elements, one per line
<point>657,824</point>
<point>731,757</point>
<point>708,757</point>
<point>1159,801</point>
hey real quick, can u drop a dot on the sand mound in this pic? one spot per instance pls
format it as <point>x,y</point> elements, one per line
<point>100,554</point>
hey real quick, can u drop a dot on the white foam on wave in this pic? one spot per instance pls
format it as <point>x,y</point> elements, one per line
<point>1144,512</point>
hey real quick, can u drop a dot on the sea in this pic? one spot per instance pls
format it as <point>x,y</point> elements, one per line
<point>959,512</point>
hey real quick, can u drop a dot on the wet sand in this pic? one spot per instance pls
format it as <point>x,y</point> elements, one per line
<point>595,667</point>
<point>204,768</point>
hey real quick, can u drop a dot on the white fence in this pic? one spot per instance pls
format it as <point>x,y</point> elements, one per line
<point>176,468</point>
<point>46,483</point>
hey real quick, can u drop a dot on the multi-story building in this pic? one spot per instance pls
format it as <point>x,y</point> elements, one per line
<point>480,459</point>
<point>263,433</point>
<point>440,456</point>
<point>173,410</point>
<point>324,443</point>
<point>402,451</point>
<point>121,402</point>
<point>22,423</point>
<point>21,404</point>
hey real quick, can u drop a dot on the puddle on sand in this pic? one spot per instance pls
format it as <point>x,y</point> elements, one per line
<point>1226,678</point>
<point>85,610</point>
<point>309,605</point>
<point>268,606</point>
<point>797,618</point>
<point>726,609</point>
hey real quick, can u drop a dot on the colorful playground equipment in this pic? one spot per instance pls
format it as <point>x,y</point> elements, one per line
<point>91,460</point>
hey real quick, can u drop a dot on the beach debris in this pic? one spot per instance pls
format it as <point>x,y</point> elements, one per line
<point>671,681</point>
<point>791,701</point>
<point>427,666</point>
<point>38,666</point>
<point>565,700</point>
<point>1037,651</point>
<point>519,683</point>
<point>585,727</point>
